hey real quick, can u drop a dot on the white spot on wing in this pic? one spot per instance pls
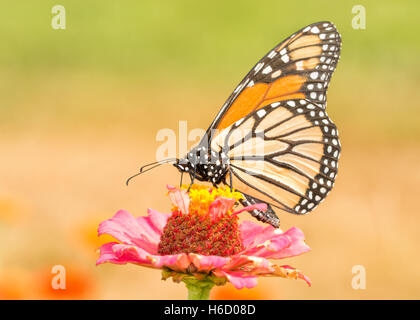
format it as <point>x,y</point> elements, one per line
<point>272,54</point>
<point>315,30</point>
<point>267,69</point>
<point>314,75</point>
<point>261,113</point>
<point>276,74</point>
<point>299,65</point>
<point>285,58</point>
<point>258,67</point>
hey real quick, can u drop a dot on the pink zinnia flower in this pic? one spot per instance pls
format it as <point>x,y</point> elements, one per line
<point>201,242</point>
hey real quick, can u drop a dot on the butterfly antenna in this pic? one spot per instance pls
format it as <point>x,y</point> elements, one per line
<point>149,167</point>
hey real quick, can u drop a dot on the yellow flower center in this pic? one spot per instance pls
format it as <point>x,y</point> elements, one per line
<point>201,196</point>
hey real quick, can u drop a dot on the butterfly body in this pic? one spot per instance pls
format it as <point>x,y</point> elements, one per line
<point>204,164</point>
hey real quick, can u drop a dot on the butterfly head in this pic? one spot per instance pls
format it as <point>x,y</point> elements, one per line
<point>182,165</point>
<point>192,160</point>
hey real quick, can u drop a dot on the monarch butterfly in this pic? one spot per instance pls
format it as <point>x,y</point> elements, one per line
<point>273,139</point>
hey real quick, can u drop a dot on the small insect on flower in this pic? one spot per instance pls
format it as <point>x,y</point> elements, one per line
<point>202,242</point>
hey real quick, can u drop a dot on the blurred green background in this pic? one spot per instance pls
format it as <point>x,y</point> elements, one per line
<point>211,45</point>
<point>80,109</point>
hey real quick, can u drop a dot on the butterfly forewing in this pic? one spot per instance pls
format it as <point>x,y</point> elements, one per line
<point>298,68</point>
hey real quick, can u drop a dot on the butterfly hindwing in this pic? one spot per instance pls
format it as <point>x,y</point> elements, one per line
<point>285,154</point>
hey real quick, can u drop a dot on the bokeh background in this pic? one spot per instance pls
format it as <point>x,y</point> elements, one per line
<point>80,109</point>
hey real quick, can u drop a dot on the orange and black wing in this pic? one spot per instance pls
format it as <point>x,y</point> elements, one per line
<point>298,68</point>
<point>282,147</point>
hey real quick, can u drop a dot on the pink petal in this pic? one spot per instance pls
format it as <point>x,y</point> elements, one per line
<point>257,206</point>
<point>297,244</point>
<point>221,206</point>
<point>268,248</point>
<point>270,242</point>
<point>207,263</point>
<point>238,278</point>
<point>250,264</point>
<point>237,261</point>
<point>121,254</point>
<point>178,262</point>
<point>300,275</point>
<point>158,220</point>
<point>248,231</point>
<point>266,232</point>
<point>108,255</point>
<point>179,198</point>
<point>125,228</point>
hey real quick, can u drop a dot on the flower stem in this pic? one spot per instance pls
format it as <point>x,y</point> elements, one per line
<point>198,289</point>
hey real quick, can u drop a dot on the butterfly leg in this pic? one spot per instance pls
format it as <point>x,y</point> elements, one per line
<point>192,177</point>
<point>180,182</point>
<point>230,178</point>
<point>269,216</point>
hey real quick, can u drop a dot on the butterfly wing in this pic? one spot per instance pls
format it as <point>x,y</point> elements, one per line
<point>300,67</point>
<point>282,147</point>
<point>284,154</point>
